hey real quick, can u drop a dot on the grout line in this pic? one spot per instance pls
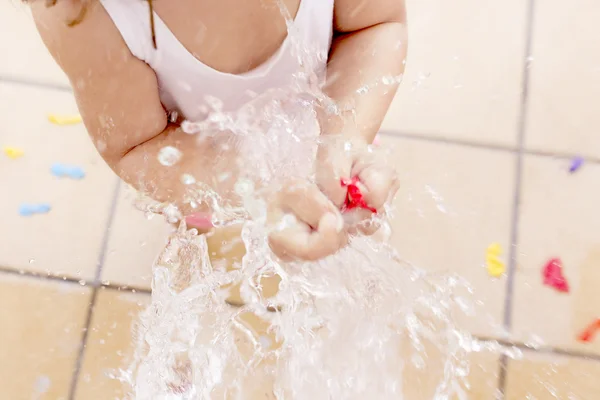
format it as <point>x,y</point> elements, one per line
<point>542,349</point>
<point>502,376</point>
<point>14,80</point>
<point>96,284</point>
<point>518,174</point>
<point>429,137</point>
<point>516,207</point>
<point>111,217</point>
<point>73,281</point>
<point>542,153</point>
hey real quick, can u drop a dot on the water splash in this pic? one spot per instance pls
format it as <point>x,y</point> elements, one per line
<point>362,323</point>
<point>169,156</point>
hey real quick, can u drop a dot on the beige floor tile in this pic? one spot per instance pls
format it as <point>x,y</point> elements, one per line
<point>565,78</point>
<point>552,377</point>
<point>109,346</point>
<point>67,240</point>
<point>481,381</point>
<point>464,70</point>
<point>454,202</point>
<point>134,243</point>
<point>558,219</point>
<point>24,56</point>
<point>42,324</point>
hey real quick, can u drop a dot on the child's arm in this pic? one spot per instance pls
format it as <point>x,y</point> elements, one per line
<point>369,49</point>
<point>365,64</point>
<point>118,97</point>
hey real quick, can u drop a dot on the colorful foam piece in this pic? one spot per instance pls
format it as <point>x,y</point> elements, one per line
<point>576,163</point>
<point>495,267</point>
<point>67,171</point>
<point>553,275</point>
<point>590,331</point>
<point>13,152</point>
<point>64,119</point>
<point>355,197</point>
<point>27,210</point>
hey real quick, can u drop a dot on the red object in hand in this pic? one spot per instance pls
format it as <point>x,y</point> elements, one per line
<point>554,277</point>
<point>355,199</point>
<point>588,334</point>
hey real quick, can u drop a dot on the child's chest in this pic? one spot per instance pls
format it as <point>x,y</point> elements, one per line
<point>228,35</point>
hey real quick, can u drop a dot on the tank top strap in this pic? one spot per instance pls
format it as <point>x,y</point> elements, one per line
<point>132,19</point>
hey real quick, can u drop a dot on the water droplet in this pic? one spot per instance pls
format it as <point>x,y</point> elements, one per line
<point>42,384</point>
<point>244,187</point>
<point>264,341</point>
<point>224,176</point>
<point>101,145</point>
<point>82,282</point>
<point>169,156</point>
<point>188,179</point>
<point>31,260</point>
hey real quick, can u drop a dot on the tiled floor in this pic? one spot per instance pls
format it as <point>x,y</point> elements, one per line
<point>497,98</point>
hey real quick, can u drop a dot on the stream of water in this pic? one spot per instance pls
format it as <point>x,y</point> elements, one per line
<point>359,324</point>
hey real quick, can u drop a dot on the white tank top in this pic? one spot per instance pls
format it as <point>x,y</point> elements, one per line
<point>185,82</point>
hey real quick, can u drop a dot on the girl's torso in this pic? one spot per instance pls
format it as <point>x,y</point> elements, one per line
<point>230,50</point>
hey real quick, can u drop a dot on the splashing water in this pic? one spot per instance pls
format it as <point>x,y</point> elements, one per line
<point>361,323</point>
<point>169,156</point>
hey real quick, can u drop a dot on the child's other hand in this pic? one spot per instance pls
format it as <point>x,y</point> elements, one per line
<point>339,160</point>
<point>307,225</point>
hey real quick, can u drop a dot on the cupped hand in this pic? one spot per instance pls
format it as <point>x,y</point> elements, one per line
<point>340,162</point>
<point>305,224</point>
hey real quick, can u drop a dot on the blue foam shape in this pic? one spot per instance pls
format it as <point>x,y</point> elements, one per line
<point>27,210</point>
<point>62,170</point>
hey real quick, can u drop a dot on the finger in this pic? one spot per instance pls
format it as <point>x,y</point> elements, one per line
<point>333,167</point>
<point>369,226</point>
<point>361,221</point>
<point>380,184</point>
<point>308,204</point>
<point>300,242</point>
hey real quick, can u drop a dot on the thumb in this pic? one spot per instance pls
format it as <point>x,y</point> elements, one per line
<point>329,178</point>
<point>380,184</point>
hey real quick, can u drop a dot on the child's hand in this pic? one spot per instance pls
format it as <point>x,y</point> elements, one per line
<point>307,225</point>
<point>339,161</point>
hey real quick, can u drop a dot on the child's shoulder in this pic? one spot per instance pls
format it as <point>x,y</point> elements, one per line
<point>77,33</point>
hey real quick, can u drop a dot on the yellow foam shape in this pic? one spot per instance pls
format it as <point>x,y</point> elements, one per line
<point>495,267</point>
<point>64,119</point>
<point>13,152</point>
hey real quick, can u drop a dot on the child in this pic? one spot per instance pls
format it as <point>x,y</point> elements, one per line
<point>133,62</point>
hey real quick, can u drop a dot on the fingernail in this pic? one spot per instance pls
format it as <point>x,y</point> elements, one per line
<point>200,220</point>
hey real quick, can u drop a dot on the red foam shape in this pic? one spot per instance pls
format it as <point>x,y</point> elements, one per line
<point>588,334</point>
<point>554,277</point>
<point>355,198</point>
